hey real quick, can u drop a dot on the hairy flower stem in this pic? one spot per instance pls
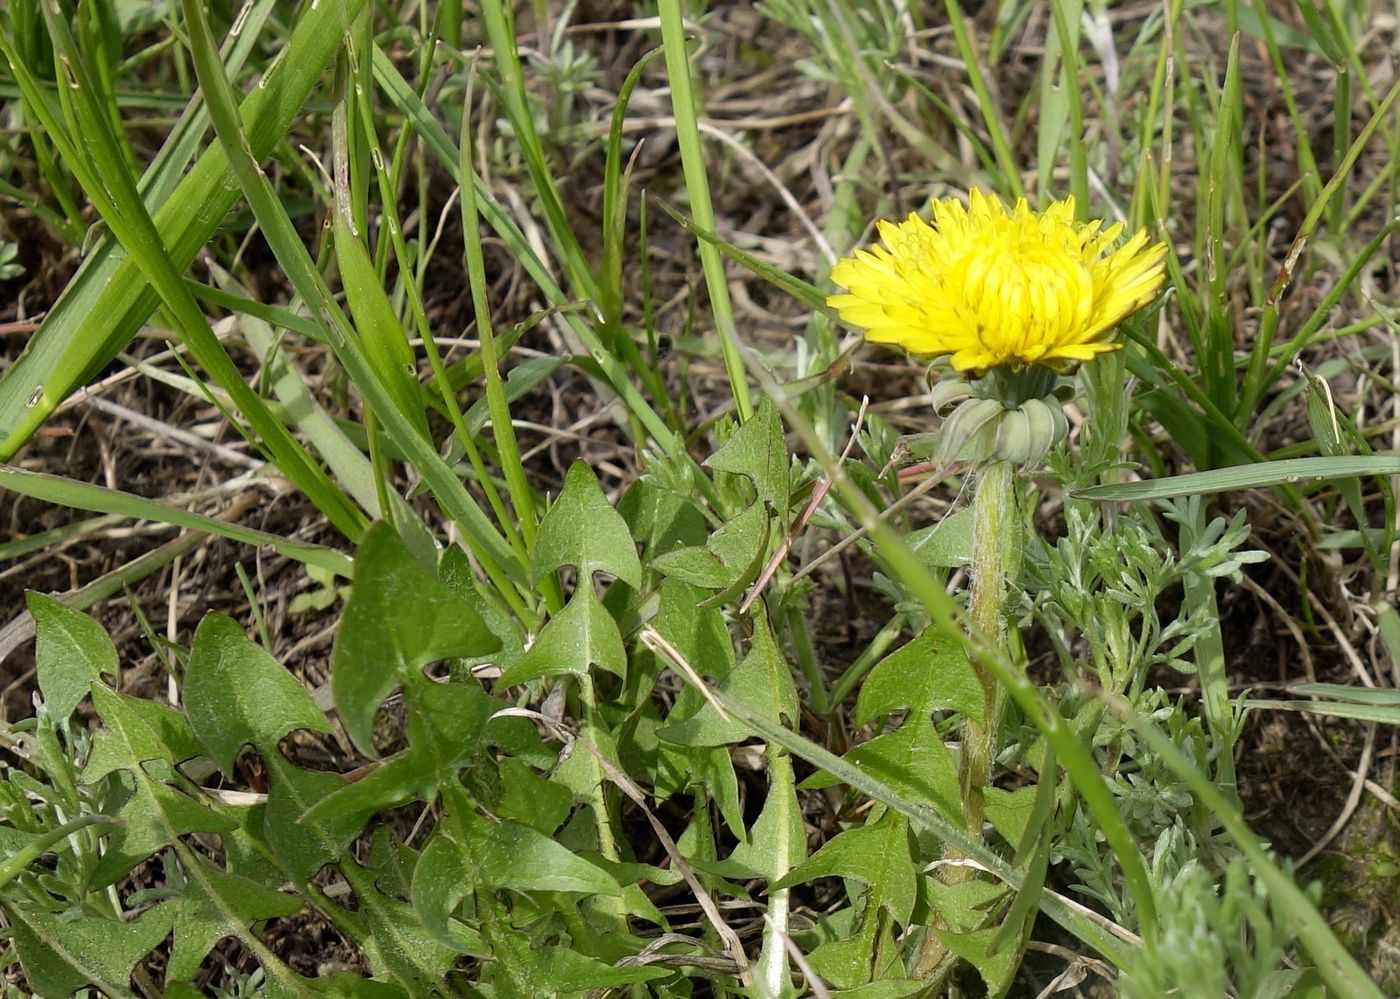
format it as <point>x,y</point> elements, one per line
<point>997,544</point>
<point>996,564</point>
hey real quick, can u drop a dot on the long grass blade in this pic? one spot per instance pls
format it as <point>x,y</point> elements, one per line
<point>98,499</point>
<point>1289,471</point>
<point>101,168</point>
<point>697,186</point>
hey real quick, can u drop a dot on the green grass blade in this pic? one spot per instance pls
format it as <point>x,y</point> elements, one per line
<point>1380,714</point>
<point>697,184</point>
<point>616,181</point>
<point>1061,104</point>
<point>1256,383</point>
<point>991,113</point>
<point>102,169</point>
<point>1346,692</point>
<point>1223,173</point>
<point>1206,422</point>
<point>289,385</point>
<point>789,284</point>
<point>272,315</point>
<point>498,21</point>
<point>616,375</point>
<point>372,289</point>
<point>522,495</point>
<point>1285,354</point>
<point>97,499</point>
<point>1289,471</point>
<point>376,325</point>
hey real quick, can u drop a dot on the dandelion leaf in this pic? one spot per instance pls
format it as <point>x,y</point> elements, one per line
<point>512,855</point>
<point>877,855</point>
<point>393,938</point>
<point>885,988</point>
<point>867,958</point>
<point>914,761</point>
<point>136,732</point>
<point>580,636</point>
<point>562,971</point>
<point>442,877</point>
<point>698,633</point>
<point>699,636</point>
<point>762,681</point>
<point>61,955</point>
<point>304,844</point>
<point>456,570</point>
<point>662,518</point>
<point>399,619</point>
<point>446,728</point>
<point>236,694</point>
<point>531,799</point>
<point>140,743</point>
<point>730,560</point>
<point>777,842</point>
<point>583,530</point>
<point>215,905</point>
<point>153,816</point>
<point>996,969</point>
<point>348,985</point>
<point>1010,811</point>
<point>929,672</point>
<point>70,651</point>
<point>946,544</point>
<point>758,451</point>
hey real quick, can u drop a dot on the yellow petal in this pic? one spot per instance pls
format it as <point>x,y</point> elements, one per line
<point>987,285</point>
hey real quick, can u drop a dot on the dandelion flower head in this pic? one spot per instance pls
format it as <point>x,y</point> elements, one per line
<point>991,286</point>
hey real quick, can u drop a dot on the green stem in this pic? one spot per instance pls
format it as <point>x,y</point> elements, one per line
<point>614,907</point>
<point>15,865</point>
<point>997,545</point>
<point>996,563</point>
<point>1211,665</point>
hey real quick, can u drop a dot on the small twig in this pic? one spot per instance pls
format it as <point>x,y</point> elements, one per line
<point>1101,968</point>
<point>1304,652</point>
<point>653,641</point>
<point>814,982</point>
<point>161,429</point>
<point>819,492</point>
<point>927,486</point>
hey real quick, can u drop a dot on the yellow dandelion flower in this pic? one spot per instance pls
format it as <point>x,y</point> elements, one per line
<point>995,287</point>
